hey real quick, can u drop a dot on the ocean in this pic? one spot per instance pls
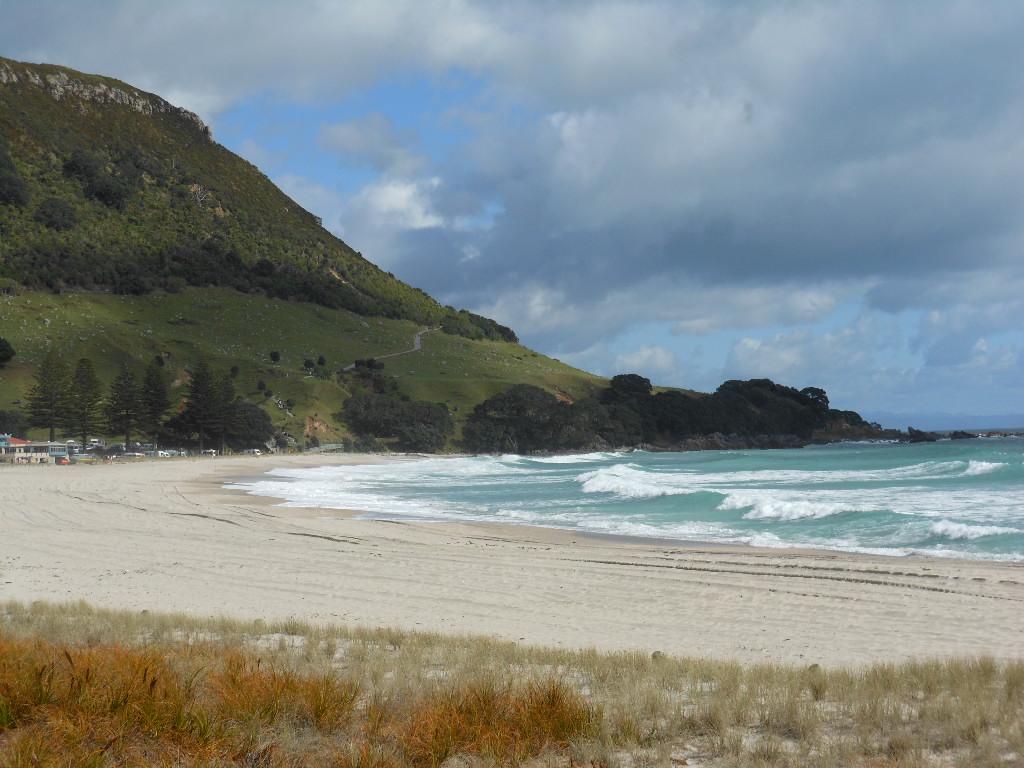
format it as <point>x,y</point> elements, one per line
<point>961,498</point>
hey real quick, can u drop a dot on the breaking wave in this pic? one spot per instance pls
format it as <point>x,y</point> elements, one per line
<point>948,500</point>
<point>964,532</point>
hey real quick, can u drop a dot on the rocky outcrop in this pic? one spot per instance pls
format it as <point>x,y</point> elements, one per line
<point>721,442</point>
<point>918,436</point>
<point>62,85</point>
<point>961,435</point>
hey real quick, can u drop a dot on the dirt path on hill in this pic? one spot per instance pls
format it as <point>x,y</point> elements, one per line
<point>417,345</point>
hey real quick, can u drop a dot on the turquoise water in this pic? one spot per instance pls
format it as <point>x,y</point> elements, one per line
<point>954,498</point>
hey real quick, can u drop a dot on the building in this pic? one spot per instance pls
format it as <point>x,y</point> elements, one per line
<point>14,450</point>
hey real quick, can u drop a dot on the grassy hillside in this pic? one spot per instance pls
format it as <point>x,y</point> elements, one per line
<point>235,329</point>
<point>127,232</point>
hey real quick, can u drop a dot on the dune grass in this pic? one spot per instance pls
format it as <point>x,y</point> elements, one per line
<point>81,686</point>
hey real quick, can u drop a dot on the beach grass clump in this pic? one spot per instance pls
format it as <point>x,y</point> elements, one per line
<point>83,686</point>
<point>500,722</point>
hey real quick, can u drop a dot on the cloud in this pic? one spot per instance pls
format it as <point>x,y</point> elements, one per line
<point>654,361</point>
<point>373,139</point>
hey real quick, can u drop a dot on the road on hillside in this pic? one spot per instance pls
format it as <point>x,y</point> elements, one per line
<point>417,344</point>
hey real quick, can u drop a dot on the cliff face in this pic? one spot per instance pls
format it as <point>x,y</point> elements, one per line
<point>66,84</point>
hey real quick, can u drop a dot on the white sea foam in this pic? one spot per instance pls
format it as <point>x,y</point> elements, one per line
<point>577,458</point>
<point>627,481</point>
<point>768,505</point>
<point>963,531</point>
<point>982,467</point>
<point>766,501</point>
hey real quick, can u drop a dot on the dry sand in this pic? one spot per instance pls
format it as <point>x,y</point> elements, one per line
<point>166,536</point>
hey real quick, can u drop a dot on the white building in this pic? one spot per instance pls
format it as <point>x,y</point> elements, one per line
<point>17,451</point>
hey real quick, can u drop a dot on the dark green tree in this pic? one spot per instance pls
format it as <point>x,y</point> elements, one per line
<point>6,352</point>
<point>14,423</point>
<point>124,405</point>
<point>47,400</point>
<point>56,214</point>
<point>154,399</point>
<point>250,427</point>
<point>200,415</point>
<point>84,398</point>
<point>227,409</point>
<point>13,191</point>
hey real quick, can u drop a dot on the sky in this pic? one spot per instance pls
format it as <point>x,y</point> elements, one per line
<point>823,193</point>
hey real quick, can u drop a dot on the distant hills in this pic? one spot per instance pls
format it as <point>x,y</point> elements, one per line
<point>935,421</point>
<point>129,236</point>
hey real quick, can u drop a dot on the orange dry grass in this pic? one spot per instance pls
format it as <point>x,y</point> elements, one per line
<point>191,706</point>
<point>246,690</point>
<point>85,707</point>
<point>502,723</point>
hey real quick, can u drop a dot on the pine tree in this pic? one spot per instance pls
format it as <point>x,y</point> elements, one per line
<point>84,398</point>
<point>155,400</point>
<point>227,406</point>
<point>202,404</point>
<point>124,405</point>
<point>47,400</point>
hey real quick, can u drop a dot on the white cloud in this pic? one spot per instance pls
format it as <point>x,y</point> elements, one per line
<point>652,361</point>
<point>402,203</point>
<point>373,139</point>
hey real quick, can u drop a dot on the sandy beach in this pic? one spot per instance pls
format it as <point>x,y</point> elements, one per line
<point>167,536</point>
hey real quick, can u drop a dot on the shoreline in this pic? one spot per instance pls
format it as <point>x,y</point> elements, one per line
<point>657,541</point>
<point>168,537</point>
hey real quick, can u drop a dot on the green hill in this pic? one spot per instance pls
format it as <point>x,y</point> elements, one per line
<point>127,232</point>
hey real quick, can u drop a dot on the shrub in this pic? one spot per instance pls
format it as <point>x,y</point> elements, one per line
<point>13,191</point>
<point>56,214</point>
<point>6,352</point>
<point>108,190</point>
<point>83,165</point>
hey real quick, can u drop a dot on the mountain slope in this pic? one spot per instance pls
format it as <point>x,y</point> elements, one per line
<point>141,184</point>
<point>127,233</point>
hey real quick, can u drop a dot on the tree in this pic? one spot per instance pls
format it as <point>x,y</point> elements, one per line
<point>154,399</point>
<point>13,191</point>
<point>321,361</point>
<point>250,427</point>
<point>124,405</point>
<point>227,409</point>
<point>47,400</point>
<point>6,352</point>
<point>13,423</point>
<point>56,214</point>
<point>84,396</point>
<point>200,414</point>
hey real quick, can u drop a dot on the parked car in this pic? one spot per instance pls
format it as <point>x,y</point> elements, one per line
<point>210,452</point>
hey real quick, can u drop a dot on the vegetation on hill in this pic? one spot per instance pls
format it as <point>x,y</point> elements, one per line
<point>74,404</point>
<point>80,686</point>
<point>104,186</point>
<point>239,331</point>
<point>628,412</point>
